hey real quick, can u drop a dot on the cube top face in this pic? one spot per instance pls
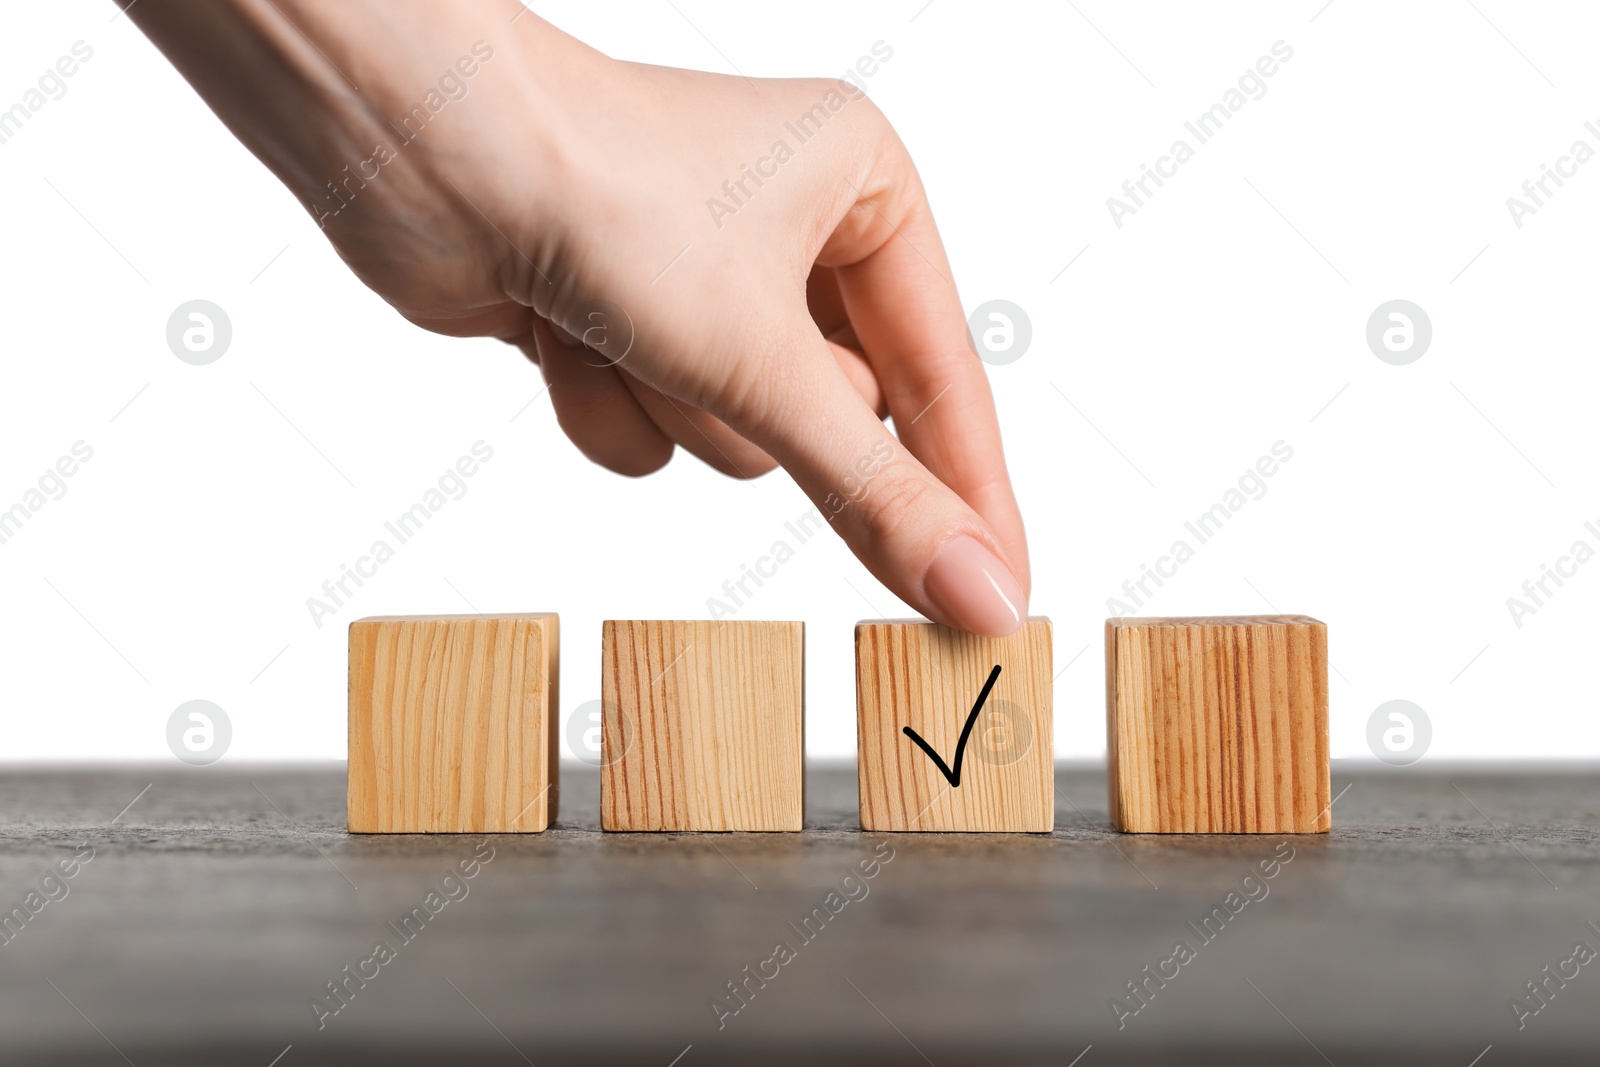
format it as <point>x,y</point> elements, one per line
<point>452,723</point>
<point>513,617</point>
<point>917,674</point>
<point>702,726</point>
<point>1218,725</point>
<point>1216,620</point>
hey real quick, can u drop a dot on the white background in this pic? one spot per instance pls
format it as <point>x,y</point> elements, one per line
<point>1165,360</point>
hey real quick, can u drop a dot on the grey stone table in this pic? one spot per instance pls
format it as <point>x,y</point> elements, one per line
<point>201,924</point>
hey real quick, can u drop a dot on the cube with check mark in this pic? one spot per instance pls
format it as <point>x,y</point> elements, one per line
<point>953,729</point>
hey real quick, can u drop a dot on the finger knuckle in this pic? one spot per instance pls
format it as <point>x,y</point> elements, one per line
<point>891,503</point>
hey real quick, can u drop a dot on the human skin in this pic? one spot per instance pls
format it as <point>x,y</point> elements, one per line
<point>547,206</point>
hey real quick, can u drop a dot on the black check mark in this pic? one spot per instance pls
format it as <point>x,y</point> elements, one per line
<point>954,776</point>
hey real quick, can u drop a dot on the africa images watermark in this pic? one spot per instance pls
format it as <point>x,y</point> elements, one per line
<point>1541,991</point>
<point>451,88</point>
<point>1537,190</point>
<point>853,888</point>
<point>738,191</point>
<point>52,889</point>
<point>51,486</point>
<point>51,85</point>
<point>1203,128</point>
<point>1252,485</point>
<point>338,992</point>
<point>451,485</point>
<point>1537,591</point>
<point>852,490</point>
<point>1253,889</point>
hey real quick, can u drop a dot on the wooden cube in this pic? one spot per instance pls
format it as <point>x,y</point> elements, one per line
<point>453,724</point>
<point>1218,725</point>
<point>954,730</point>
<point>702,725</point>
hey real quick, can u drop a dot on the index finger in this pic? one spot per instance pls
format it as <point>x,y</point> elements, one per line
<point>898,287</point>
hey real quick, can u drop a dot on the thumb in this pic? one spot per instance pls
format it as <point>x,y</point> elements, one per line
<point>915,534</point>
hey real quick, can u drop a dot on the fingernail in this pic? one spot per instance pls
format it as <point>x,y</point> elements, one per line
<point>973,589</point>
<point>567,339</point>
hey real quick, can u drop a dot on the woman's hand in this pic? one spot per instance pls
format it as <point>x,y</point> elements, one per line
<point>747,269</point>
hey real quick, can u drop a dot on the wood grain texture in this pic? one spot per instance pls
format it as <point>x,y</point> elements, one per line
<point>1218,725</point>
<point>928,677</point>
<point>453,724</point>
<point>702,726</point>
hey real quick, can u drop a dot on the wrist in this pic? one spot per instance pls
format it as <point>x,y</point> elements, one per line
<point>358,108</point>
